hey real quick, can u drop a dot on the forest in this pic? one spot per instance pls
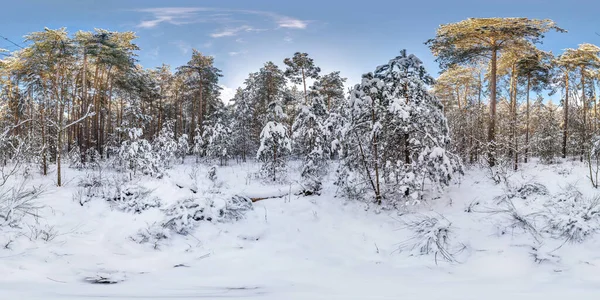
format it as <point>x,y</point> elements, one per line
<point>84,127</point>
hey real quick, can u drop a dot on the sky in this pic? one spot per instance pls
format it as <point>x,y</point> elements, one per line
<point>352,37</point>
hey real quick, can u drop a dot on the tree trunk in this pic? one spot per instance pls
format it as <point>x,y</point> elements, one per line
<point>527,119</point>
<point>566,121</point>
<point>304,82</point>
<point>376,156</point>
<point>584,140</point>
<point>492,124</point>
<point>84,127</point>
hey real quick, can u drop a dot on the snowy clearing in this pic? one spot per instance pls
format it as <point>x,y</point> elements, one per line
<point>317,247</point>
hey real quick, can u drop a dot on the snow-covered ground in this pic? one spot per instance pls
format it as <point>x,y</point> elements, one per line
<point>318,247</point>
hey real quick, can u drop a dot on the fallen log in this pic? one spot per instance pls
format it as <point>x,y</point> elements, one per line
<point>256,199</point>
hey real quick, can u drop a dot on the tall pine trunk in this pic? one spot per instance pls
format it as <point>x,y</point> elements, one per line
<point>566,120</point>
<point>527,119</point>
<point>492,124</point>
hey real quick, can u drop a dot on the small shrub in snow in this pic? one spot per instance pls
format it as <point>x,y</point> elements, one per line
<point>184,216</point>
<point>154,234</point>
<point>133,198</point>
<point>18,202</point>
<point>500,172</point>
<point>541,255</point>
<point>431,236</point>
<point>214,179</point>
<point>573,217</point>
<point>515,218</point>
<point>533,188</point>
<point>124,195</point>
<point>235,208</point>
<point>41,232</point>
<point>212,173</point>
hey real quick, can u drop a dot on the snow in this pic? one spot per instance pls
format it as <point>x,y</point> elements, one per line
<point>318,247</point>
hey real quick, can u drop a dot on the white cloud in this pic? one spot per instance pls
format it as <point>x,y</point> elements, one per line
<point>153,53</point>
<point>236,53</point>
<point>230,31</point>
<point>234,31</point>
<point>288,39</point>
<point>183,46</point>
<point>171,15</point>
<point>287,22</point>
<point>188,15</point>
<point>227,93</point>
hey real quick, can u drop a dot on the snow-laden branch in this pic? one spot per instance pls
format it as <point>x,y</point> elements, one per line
<point>88,114</point>
<point>5,133</point>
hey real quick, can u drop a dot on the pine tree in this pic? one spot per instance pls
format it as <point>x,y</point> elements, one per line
<point>485,38</point>
<point>584,58</point>
<point>275,145</point>
<point>165,146</point>
<point>331,88</point>
<point>242,124</point>
<point>217,137</point>
<point>548,134</point>
<point>300,68</point>
<point>396,136</point>
<point>183,147</point>
<point>311,141</point>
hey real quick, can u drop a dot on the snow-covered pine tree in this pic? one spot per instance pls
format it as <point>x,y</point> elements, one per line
<point>396,136</point>
<point>548,133</point>
<point>136,154</point>
<point>242,124</point>
<point>165,145</point>
<point>275,145</point>
<point>331,88</point>
<point>217,137</point>
<point>310,137</point>
<point>300,68</point>
<point>183,147</point>
<point>198,149</point>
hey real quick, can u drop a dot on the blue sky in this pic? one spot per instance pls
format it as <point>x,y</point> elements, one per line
<point>348,36</point>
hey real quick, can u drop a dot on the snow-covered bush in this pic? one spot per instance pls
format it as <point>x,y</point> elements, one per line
<point>117,190</point>
<point>75,158</point>
<point>530,189</point>
<point>184,216</point>
<point>132,197</point>
<point>18,202</point>
<point>431,236</point>
<point>523,191</point>
<point>542,255</point>
<point>137,155</point>
<point>500,172</point>
<point>515,219</point>
<point>572,216</point>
